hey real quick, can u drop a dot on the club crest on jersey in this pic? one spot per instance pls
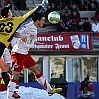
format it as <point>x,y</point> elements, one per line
<point>24,26</point>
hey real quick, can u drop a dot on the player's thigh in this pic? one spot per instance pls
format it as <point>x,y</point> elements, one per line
<point>17,62</point>
<point>29,62</point>
<point>35,69</point>
<point>16,75</point>
<point>2,47</point>
<point>2,66</point>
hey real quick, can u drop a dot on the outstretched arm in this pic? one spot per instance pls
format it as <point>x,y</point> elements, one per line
<point>38,43</point>
<point>17,35</point>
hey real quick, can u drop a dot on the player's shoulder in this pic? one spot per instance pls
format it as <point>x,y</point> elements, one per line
<point>30,24</point>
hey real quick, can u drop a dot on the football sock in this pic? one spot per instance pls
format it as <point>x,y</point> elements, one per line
<point>43,82</point>
<point>5,77</point>
<point>11,88</point>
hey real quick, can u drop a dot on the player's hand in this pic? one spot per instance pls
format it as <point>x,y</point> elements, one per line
<point>42,44</point>
<point>38,43</point>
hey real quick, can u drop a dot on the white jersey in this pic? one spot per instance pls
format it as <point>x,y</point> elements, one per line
<point>30,31</point>
<point>95,27</point>
<point>6,56</point>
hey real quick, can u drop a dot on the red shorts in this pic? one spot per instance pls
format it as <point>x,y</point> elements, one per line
<point>20,61</point>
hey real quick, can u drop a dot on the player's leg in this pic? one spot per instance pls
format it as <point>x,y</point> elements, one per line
<point>40,78</point>
<point>3,65</point>
<point>16,70</point>
<point>11,90</point>
<point>31,65</point>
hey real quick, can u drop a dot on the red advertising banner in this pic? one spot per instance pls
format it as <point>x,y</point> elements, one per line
<point>96,34</point>
<point>64,41</point>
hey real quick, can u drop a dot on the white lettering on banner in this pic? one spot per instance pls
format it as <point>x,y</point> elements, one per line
<point>58,46</point>
<point>83,39</point>
<point>43,46</point>
<point>50,38</point>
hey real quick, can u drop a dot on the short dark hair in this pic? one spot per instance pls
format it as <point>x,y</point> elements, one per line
<point>37,16</point>
<point>87,78</point>
<point>5,10</point>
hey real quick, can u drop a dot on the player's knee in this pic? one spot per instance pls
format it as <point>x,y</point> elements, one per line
<point>16,75</point>
<point>35,69</point>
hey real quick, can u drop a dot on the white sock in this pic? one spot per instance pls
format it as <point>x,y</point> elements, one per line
<point>45,83</point>
<point>11,88</point>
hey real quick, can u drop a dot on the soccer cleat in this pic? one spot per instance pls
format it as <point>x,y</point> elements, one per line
<point>55,90</point>
<point>15,95</point>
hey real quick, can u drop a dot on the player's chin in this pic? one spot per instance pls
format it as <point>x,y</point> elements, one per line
<point>41,26</point>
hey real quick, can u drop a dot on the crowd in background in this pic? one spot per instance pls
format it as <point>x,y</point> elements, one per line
<point>70,14</point>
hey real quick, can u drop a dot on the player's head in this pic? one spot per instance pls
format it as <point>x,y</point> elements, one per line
<point>38,19</point>
<point>6,12</point>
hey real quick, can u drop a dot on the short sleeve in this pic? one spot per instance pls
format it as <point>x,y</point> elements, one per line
<point>22,29</point>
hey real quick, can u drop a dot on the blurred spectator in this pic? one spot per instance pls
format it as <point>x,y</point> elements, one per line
<point>87,26</point>
<point>53,6</point>
<point>53,74</point>
<point>96,15</point>
<point>54,3</point>
<point>93,5</point>
<point>48,10</point>
<point>66,17</point>
<point>50,2</point>
<point>75,9</point>
<point>87,89</point>
<point>68,2</point>
<point>61,27</point>
<point>43,12</point>
<point>65,9</point>
<point>62,2</point>
<point>75,18</point>
<point>62,75</point>
<point>72,26</point>
<point>57,4</point>
<point>95,26</point>
<point>85,5</point>
<point>77,2</point>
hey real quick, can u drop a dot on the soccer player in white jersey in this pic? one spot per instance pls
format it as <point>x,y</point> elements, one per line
<point>8,26</point>
<point>22,59</point>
